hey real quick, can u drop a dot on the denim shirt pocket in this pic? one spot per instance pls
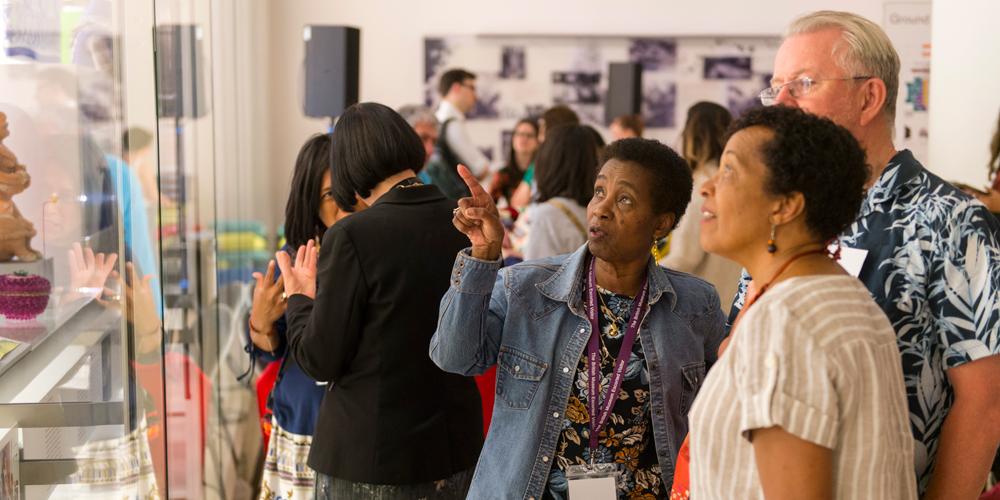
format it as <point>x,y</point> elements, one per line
<point>693,375</point>
<point>518,377</point>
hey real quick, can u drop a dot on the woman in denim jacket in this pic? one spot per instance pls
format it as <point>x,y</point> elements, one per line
<point>534,320</point>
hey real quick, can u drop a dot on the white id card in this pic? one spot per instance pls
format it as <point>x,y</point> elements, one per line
<point>599,482</point>
<point>851,259</point>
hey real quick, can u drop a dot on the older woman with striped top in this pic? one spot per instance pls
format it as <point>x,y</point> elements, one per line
<point>807,400</point>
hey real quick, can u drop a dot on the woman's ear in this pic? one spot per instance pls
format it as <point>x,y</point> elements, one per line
<point>664,224</point>
<point>788,208</point>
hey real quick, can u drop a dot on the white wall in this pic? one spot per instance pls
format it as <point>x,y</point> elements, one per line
<point>242,131</point>
<point>965,88</point>
<point>392,33</point>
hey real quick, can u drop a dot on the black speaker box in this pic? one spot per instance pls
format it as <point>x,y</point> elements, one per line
<point>180,82</point>
<point>624,91</point>
<point>331,69</point>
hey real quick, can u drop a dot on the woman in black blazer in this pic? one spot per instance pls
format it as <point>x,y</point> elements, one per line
<point>392,424</point>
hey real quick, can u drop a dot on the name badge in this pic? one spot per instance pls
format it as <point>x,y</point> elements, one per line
<point>597,482</point>
<point>851,259</point>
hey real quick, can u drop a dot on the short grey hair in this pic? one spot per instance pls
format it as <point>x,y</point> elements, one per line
<point>414,114</point>
<point>864,50</point>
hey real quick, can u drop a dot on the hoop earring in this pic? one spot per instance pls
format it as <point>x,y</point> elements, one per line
<point>771,247</point>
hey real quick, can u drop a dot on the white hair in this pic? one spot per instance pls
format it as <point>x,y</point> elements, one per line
<point>414,114</point>
<point>864,50</point>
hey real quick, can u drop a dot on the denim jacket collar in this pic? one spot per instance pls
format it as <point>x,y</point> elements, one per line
<point>566,285</point>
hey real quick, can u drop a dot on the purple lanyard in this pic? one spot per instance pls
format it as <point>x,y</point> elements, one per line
<point>599,414</point>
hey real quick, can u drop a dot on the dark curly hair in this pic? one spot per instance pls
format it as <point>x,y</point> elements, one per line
<point>671,177</point>
<point>811,155</point>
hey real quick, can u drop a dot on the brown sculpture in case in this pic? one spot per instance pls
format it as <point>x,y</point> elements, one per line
<point>15,231</point>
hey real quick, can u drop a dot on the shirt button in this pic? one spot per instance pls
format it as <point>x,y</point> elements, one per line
<point>583,331</point>
<point>556,414</point>
<point>517,368</point>
<point>545,459</point>
<point>565,370</point>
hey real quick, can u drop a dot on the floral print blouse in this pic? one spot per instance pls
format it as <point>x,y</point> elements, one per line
<point>627,439</point>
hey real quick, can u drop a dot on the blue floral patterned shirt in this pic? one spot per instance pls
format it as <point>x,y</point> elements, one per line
<point>933,265</point>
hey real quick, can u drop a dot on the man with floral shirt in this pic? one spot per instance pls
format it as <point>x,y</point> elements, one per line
<point>930,254</point>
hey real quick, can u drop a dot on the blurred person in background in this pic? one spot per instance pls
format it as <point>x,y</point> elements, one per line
<point>626,127</point>
<point>426,125</point>
<point>703,139</point>
<point>521,156</point>
<point>553,117</point>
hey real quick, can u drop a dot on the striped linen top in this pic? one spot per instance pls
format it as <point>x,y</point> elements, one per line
<point>818,358</point>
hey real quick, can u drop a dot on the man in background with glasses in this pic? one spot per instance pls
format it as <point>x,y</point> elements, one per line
<point>926,251</point>
<point>457,88</point>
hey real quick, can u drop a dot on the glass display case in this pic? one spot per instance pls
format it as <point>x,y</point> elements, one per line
<point>123,289</point>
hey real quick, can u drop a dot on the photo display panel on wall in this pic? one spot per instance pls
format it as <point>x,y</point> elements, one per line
<point>908,25</point>
<point>519,77</point>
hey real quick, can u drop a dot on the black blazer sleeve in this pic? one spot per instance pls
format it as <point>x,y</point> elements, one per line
<point>323,334</point>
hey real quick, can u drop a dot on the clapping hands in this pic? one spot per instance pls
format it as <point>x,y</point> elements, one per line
<point>300,278</point>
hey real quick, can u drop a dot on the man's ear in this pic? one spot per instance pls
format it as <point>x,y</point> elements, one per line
<point>874,94</point>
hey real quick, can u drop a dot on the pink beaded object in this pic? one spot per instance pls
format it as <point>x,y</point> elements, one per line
<point>23,296</point>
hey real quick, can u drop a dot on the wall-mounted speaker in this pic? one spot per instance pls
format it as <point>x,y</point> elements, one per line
<point>331,69</point>
<point>180,82</point>
<point>624,91</point>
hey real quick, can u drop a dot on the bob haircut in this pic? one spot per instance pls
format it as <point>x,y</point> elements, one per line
<point>371,143</point>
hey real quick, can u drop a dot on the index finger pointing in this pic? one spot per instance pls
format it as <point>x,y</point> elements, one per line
<point>470,180</point>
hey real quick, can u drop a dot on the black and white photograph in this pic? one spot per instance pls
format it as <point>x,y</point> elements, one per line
<point>659,104</point>
<point>488,99</point>
<point>576,87</point>
<point>534,110</point>
<point>435,52</point>
<point>653,53</point>
<point>573,72</point>
<point>728,68</point>
<point>512,63</point>
<point>740,100</point>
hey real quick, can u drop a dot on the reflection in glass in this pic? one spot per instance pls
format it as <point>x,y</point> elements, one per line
<point>124,385</point>
<point>75,389</point>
